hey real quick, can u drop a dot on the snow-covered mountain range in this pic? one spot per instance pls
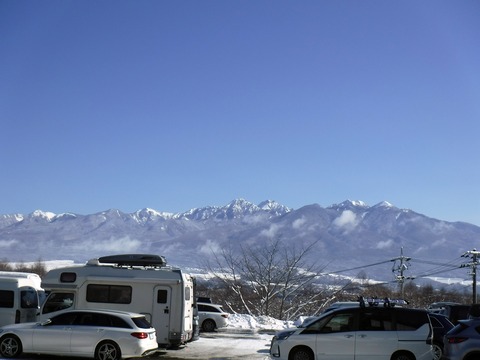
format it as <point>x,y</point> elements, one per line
<point>348,235</point>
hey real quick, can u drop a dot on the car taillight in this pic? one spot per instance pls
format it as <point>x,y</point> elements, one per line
<point>140,335</point>
<point>456,339</point>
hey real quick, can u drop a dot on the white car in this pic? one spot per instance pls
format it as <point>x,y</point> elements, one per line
<point>211,316</point>
<point>360,333</point>
<point>99,334</point>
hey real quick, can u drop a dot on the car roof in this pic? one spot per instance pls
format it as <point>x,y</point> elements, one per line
<point>104,311</point>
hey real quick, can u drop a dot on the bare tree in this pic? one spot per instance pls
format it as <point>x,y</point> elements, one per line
<point>268,280</point>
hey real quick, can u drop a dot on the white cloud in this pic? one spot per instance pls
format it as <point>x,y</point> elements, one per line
<point>347,219</point>
<point>121,245</point>
<point>209,247</point>
<point>7,243</point>
<point>439,242</point>
<point>297,224</point>
<point>385,244</point>
<point>270,232</point>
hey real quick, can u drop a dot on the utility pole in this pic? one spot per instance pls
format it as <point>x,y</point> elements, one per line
<point>402,266</point>
<point>472,254</point>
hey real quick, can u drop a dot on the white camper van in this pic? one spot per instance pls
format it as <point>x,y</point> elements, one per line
<point>20,297</point>
<point>133,282</point>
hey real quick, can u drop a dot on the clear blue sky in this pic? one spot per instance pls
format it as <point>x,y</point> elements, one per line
<point>180,104</point>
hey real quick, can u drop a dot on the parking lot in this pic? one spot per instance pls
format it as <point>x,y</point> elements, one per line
<point>229,345</point>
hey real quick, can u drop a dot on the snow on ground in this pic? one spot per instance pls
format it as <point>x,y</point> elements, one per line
<point>245,337</point>
<point>259,323</point>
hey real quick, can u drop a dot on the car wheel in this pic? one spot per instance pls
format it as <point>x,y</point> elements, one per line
<point>403,356</point>
<point>107,350</point>
<point>437,351</point>
<point>301,353</point>
<point>10,346</point>
<point>208,325</point>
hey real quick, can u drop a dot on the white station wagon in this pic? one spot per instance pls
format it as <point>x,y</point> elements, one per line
<point>99,334</point>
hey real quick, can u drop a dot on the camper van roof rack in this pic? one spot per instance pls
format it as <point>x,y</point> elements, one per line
<point>134,260</point>
<point>385,302</point>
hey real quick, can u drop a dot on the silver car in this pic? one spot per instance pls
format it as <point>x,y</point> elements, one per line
<point>463,341</point>
<point>211,316</point>
<point>99,334</point>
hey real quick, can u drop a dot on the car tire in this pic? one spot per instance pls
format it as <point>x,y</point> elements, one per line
<point>301,353</point>
<point>209,325</point>
<point>437,351</point>
<point>10,346</point>
<point>403,356</point>
<point>107,350</point>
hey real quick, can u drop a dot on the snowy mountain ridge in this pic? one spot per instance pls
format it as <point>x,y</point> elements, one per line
<point>235,209</point>
<point>345,235</point>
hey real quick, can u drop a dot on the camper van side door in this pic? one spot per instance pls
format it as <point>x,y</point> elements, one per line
<point>161,312</point>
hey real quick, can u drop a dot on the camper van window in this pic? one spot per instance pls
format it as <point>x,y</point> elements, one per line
<point>29,299</point>
<point>115,294</point>
<point>162,296</point>
<point>58,301</point>
<point>6,299</point>
<point>68,277</point>
<point>187,294</point>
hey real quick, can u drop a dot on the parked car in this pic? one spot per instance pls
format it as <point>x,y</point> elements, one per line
<point>463,341</point>
<point>454,311</point>
<point>99,334</point>
<point>211,316</point>
<point>362,333</point>
<point>441,325</point>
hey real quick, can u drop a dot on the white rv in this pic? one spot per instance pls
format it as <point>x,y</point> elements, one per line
<point>20,297</point>
<point>133,282</point>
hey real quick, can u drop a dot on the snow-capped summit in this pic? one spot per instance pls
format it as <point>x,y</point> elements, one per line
<point>349,205</point>
<point>383,204</point>
<point>147,214</point>
<point>49,216</point>
<point>274,207</point>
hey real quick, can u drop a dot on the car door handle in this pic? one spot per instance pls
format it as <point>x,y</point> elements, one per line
<point>349,336</point>
<point>362,335</point>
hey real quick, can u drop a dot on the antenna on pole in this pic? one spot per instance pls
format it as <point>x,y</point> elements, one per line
<point>473,254</point>
<point>403,264</point>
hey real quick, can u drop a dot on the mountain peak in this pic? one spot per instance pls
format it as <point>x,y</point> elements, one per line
<point>349,204</point>
<point>43,215</point>
<point>384,204</point>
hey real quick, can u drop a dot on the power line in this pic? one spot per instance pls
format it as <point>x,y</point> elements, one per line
<point>360,267</point>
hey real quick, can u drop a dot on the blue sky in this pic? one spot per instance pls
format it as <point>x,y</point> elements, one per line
<point>174,105</point>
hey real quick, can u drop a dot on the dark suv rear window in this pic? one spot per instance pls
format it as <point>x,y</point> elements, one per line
<point>141,322</point>
<point>207,308</point>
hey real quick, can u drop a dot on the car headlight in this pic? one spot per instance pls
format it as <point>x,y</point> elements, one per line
<point>283,335</point>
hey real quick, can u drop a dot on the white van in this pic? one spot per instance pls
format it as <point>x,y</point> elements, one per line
<point>138,283</point>
<point>20,297</point>
<point>360,333</point>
